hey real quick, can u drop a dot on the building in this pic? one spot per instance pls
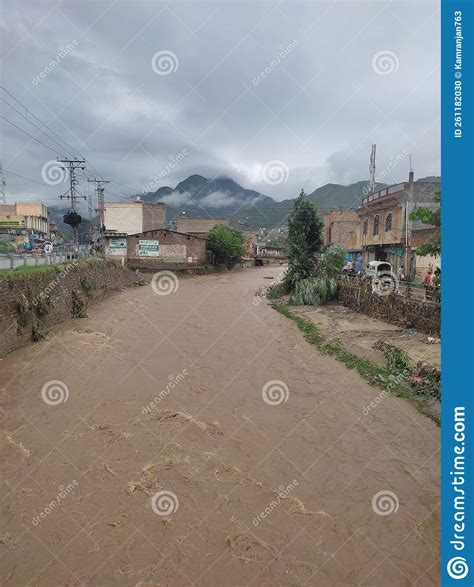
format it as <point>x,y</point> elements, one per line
<point>252,238</point>
<point>341,227</point>
<point>385,228</point>
<point>20,223</point>
<point>165,249</point>
<point>269,255</point>
<point>198,226</point>
<point>133,217</point>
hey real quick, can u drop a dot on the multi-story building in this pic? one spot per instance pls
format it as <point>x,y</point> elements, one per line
<point>21,222</point>
<point>198,226</point>
<point>385,226</point>
<point>133,217</point>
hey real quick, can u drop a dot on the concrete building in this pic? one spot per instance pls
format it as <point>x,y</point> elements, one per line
<point>133,217</point>
<point>32,217</point>
<point>341,227</point>
<point>21,222</point>
<point>384,224</point>
<point>165,249</point>
<point>198,226</point>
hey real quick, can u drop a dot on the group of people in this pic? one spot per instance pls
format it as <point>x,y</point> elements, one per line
<point>431,282</point>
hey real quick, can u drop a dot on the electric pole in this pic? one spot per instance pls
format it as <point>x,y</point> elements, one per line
<point>3,183</point>
<point>100,207</point>
<point>72,217</point>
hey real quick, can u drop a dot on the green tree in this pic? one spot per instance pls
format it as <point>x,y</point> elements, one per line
<point>433,217</point>
<point>305,240</point>
<point>225,245</point>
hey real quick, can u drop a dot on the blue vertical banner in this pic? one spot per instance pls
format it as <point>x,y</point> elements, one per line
<point>457,426</point>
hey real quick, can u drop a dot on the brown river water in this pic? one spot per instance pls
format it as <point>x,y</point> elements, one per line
<point>195,438</point>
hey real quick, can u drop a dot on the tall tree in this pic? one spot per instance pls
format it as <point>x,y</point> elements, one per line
<point>305,239</point>
<point>432,217</point>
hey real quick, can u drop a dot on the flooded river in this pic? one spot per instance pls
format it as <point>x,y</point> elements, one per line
<point>195,438</point>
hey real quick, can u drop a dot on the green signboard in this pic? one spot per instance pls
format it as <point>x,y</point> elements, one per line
<point>148,248</point>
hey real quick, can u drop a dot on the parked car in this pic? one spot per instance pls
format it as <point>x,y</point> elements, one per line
<point>377,269</point>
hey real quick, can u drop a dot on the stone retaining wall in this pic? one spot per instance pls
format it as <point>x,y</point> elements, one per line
<point>32,303</point>
<point>395,308</point>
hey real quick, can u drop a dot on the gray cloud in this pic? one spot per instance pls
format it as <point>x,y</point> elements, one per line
<point>318,109</point>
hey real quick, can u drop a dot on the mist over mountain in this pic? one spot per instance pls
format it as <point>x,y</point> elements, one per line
<point>223,197</point>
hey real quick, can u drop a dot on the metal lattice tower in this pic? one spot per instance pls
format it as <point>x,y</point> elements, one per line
<point>100,205</point>
<point>70,165</point>
<point>372,169</point>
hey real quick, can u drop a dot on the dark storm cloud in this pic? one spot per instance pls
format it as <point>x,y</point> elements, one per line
<point>248,83</point>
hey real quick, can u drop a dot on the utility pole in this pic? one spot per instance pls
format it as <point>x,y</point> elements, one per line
<point>72,217</point>
<point>3,183</point>
<point>100,207</point>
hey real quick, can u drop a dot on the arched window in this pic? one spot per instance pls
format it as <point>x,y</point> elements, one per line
<point>376,224</point>
<point>366,226</point>
<point>388,222</point>
<point>331,226</point>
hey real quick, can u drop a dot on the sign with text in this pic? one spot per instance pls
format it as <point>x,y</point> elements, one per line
<point>148,248</point>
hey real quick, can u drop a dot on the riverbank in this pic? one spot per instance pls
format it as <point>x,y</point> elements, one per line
<point>35,299</point>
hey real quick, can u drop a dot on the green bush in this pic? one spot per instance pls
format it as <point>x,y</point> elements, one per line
<point>314,291</point>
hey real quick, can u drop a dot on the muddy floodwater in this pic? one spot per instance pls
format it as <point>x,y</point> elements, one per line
<point>195,438</point>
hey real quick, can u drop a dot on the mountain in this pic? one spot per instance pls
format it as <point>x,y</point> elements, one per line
<point>198,196</point>
<point>225,198</point>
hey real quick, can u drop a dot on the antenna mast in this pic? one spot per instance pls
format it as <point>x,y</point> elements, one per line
<point>372,169</point>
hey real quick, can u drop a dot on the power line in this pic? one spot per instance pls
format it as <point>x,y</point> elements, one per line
<point>28,134</point>
<point>41,122</point>
<point>44,185</point>
<point>33,124</point>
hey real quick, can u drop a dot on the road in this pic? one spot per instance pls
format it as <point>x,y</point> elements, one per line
<point>140,450</point>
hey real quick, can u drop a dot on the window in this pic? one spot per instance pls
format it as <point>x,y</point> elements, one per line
<point>366,226</point>
<point>388,222</point>
<point>376,225</point>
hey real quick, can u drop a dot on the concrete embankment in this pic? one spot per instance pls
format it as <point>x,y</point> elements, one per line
<point>32,302</point>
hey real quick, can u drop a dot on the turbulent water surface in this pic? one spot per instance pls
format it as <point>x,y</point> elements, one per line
<point>195,438</point>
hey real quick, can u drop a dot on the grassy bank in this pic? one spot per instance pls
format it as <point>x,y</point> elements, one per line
<point>392,378</point>
<point>52,270</point>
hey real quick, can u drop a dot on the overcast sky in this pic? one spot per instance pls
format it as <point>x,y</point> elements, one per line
<point>337,77</point>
